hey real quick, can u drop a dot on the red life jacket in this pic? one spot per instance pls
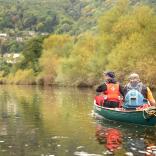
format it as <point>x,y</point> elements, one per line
<point>112,93</point>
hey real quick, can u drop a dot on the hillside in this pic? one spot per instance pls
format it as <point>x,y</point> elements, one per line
<point>51,16</point>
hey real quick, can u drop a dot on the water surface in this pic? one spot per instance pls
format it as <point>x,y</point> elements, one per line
<point>58,122</point>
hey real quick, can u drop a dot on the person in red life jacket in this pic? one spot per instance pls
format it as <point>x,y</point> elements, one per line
<point>112,91</point>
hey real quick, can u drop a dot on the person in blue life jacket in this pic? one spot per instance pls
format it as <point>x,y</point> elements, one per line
<point>111,91</point>
<point>137,94</point>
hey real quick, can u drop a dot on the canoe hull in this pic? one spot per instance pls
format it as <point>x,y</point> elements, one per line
<point>135,117</point>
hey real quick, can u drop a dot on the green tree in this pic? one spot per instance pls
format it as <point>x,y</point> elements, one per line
<point>32,52</point>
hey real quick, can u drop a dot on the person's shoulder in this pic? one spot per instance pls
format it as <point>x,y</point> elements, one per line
<point>148,88</point>
<point>104,83</point>
<point>101,85</point>
<point>144,86</point>
<point>101,88</point>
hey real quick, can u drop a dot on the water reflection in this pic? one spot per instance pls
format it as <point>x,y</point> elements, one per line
<point>45,121</point>
<point>110,137</point>
<point>150,142</point>
<point>123,139</point>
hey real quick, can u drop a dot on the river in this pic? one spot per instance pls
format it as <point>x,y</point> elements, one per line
<point>36,121</point>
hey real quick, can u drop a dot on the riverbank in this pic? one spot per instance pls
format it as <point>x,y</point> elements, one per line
<point>68,85</point>
<point>31,83</point>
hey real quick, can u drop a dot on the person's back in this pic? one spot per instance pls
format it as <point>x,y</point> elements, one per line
<point>112,95</point>
<point>134,99</point>
<point>136,93</point>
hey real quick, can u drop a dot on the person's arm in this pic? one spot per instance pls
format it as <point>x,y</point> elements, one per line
<point>101,88</point>
<point>150,97</point>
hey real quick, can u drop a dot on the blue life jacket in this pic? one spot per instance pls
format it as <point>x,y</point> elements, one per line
<point>134,99</point>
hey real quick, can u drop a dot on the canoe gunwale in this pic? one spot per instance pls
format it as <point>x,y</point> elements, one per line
<point>117,109</point>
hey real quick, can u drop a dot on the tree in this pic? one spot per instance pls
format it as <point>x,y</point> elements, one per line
<point>32,52</point>
<point>55,48</point>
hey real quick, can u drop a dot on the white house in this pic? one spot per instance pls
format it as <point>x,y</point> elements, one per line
<point>11,58</point>
<point>3,35</point>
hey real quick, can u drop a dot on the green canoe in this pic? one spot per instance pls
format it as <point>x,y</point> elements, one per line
<point>141,117</point>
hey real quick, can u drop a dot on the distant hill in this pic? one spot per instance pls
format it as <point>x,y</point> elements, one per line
<point>52,16</point>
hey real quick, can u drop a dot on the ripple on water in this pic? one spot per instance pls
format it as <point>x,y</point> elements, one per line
<point>79,147</point>
<point>1,141</point>
<point>59,137</point>
<point>142,152</point>
<point>129,154</point>
<point>82,153</point>
<point>47,155</point>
